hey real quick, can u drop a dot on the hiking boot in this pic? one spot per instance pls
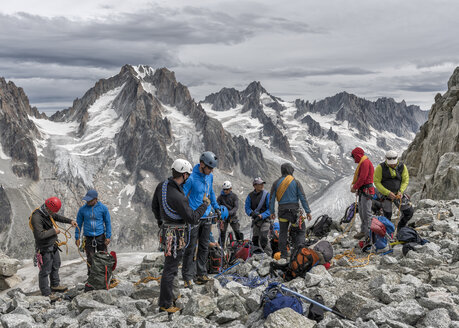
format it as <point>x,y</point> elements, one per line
<point>59,289</point>
<point>53,297</point>
<point>187,284</point>
<point>201,280</point>
<point>170,309</point>
<point>359,235</point>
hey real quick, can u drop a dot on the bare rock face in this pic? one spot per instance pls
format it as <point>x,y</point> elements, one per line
<point>5,213</point>
<point>433,156</point>
<point>17,131</point>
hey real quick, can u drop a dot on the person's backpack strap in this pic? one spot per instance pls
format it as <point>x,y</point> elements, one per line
<point>283,186</point>
<point>262,201</point>
<point>167,209</point>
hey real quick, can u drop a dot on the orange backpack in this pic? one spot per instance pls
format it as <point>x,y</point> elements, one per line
<point>301,261</point>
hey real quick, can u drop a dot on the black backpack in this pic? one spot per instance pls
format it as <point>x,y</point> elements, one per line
<point>100,272</point>
<point>216,260</point>
<point>321,227</point>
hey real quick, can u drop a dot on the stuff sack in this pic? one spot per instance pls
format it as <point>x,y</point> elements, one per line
<point>349,213</point>
<point>215,261</point>
<point>325,248</point>
<point>100,272</point>
<point>274,298</point>
<point>301,261</point>
<point>242,250</point>
<point>381,230</point>
<point>321,227</point>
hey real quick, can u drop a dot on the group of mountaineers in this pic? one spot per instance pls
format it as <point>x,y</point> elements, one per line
<point>185,207</point>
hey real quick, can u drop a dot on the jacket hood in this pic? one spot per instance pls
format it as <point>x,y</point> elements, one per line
<point>287,169</point>
<point>196,170</point>
<point>357,153</point>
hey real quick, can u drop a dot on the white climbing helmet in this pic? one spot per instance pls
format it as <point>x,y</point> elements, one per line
<point>227,185</point>
<point>391,157</point>
<point>182,166</point>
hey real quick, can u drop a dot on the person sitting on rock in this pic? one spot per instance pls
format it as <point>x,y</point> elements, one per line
<point>45,231</point>
<point>228,199</point>
<point>362,184</point>
<point>289,193</point>
<point>172,211</point>
<point>94,222</point>
<point>391,179</point>
<point>257,207</point>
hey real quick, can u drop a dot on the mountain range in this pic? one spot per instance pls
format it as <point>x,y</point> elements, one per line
<point>122,135</point>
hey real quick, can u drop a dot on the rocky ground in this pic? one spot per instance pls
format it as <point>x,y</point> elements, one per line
<point>392,291</point>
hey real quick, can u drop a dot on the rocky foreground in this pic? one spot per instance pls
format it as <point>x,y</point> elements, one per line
<point>420,290</point>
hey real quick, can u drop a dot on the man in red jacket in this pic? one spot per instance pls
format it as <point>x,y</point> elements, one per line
<point>362,184</point>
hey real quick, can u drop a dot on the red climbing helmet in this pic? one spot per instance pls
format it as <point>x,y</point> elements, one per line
<point>53,204</point>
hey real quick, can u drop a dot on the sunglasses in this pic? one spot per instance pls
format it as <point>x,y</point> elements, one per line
<point>391,158</point>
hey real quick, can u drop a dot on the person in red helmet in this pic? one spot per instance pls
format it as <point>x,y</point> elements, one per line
<point>45,231</point>
<point>362,184</point>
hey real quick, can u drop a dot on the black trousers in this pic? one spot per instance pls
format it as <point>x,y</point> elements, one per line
<point>93,244</point>
<point>199,233</point>
<point>406,215</point>
<point>236,228</point>
<point>49,270</point>
<point>166,292</point>
<point>297,236</point>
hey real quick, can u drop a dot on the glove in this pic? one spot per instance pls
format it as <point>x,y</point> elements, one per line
<point>219,213</point>
<point>255,214</point>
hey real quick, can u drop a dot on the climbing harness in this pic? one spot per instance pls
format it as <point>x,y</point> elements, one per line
<point>173,238</point>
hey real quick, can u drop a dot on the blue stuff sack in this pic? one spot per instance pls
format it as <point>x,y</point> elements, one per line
<point>274,299</point>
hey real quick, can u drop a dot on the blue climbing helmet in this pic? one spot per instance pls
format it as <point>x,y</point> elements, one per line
<point>224,212</point>
<point>209,159</point>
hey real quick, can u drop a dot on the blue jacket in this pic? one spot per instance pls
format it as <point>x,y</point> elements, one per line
<point>95,220</point>
<point>198,185</point>
<point>292,195</point>
<point>248,206</point>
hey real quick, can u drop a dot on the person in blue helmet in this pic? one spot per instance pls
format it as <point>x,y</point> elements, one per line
<point>198,188</point>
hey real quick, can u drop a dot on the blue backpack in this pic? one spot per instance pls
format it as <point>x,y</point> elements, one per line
<point>274,299</point>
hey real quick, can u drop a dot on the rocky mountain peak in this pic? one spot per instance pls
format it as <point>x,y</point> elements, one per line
<point>433,156</point>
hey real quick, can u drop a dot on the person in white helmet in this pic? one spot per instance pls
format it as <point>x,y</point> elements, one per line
<point>391,178</point>
<point>228,199</point>
<point>171,209</point>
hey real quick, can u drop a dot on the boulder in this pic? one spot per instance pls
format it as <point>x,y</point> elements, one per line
<point>200,305</point>
<point>12,320</point>
<point>438,318</point>
<point>355,305</point>
<point>287,317</point>
<point>8,266</point>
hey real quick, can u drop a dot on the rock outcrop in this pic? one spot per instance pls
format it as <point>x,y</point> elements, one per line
<point>433,156</point>
<point>384,114</point>
<point>8,269</point>
<point>17,131</point>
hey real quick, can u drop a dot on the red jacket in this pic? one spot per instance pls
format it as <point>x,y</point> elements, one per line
<point>366,171</point>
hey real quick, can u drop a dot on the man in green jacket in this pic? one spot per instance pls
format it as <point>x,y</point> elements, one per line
<point>391,178</point>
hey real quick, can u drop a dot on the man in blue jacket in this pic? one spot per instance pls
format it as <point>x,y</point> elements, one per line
<point>257,206</point>
<point>93,220</point>
<point>198,188</point>
<point>289,193</point>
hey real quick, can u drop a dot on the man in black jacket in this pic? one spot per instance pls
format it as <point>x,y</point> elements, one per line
<point>45,231</point>
<point>231,202</point>
<point>171,209</point>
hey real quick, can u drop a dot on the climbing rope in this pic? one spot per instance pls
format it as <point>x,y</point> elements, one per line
<point>251,281</point>
<point>147,279</point>
<point>352,257</point>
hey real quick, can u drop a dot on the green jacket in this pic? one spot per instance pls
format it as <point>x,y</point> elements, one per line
<point>378,177</point>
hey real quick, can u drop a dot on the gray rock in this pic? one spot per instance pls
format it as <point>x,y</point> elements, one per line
<point>8,266</point>
<point>17,320</point>
<point>144,292</point>
<point>437,318</point>
<point>388,294</point>
<point>185,321</point>
<point>124,288</point>
<point>103,296</point>
<point>409,312</point>
<point>387,260</point>
<point>227,316</point>
<point>286,317</point>
<point>110,317</point>
<point>232,303</point>
<point>436,300</point>
<point>426,203</point>
<point>65,322</point>
<point>409,279</point>
<point>200,305</point>
<point>355,305</point>
<point>85,301</point>
<point>10,282</point>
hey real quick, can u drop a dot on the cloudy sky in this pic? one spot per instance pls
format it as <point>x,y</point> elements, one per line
<point>408,49</point>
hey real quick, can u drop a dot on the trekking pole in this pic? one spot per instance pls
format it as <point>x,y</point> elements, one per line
<point>285,289</point>
<point>216,276</point>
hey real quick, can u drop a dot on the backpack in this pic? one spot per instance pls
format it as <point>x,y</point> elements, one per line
<point>242,249</point>
<point>350,212</point>
<point>321,227</point>
<point>325,248</point>
<point>301,261</point>
<point>101,271</point>
<point>315,312</point>
<point>409,237</point>
<point>381,230</point>
<point>216,260</point>
<point>274,298</point>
